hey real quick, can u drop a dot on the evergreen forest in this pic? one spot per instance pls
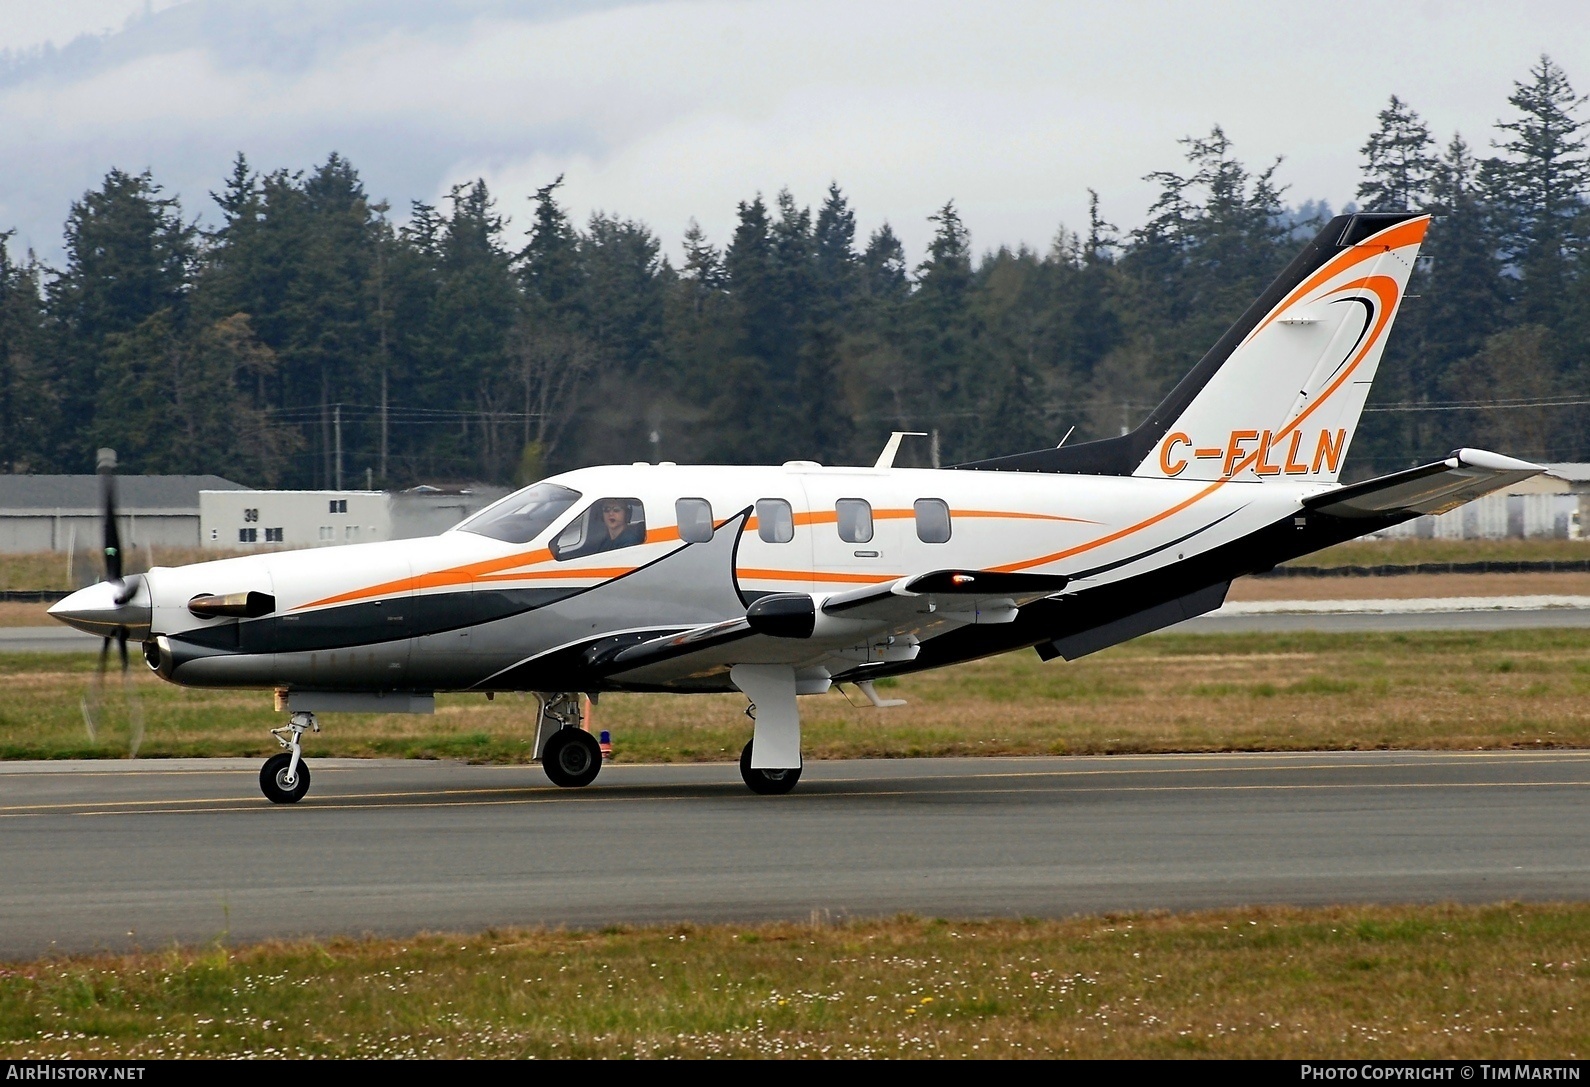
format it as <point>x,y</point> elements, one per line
<point>308,337</point>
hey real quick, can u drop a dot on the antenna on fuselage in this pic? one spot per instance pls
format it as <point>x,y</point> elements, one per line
<point>892,448</point>
<point>1070,432</point>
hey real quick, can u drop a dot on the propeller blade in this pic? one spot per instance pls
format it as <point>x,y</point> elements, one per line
<point>135,707</point>
<point>107,484</point>
<point>94,697</point>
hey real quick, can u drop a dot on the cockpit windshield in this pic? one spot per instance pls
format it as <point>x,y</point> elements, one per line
<point>522,517</point>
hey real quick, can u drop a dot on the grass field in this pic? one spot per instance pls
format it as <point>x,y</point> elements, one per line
<point>1258,692</point>
<point>1428,982</point>
<point>1408,552</point>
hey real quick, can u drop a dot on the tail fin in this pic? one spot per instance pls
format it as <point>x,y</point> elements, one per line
<point>1279,395</point>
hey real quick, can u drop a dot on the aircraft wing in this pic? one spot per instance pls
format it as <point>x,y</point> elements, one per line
<point>798,627</point>
<point>1428,489</point>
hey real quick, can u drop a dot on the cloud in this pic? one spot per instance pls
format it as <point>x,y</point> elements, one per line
<point>671,110</point>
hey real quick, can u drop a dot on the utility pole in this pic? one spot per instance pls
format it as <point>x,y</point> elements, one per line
<point>337,422</point>
<point>380,309</point>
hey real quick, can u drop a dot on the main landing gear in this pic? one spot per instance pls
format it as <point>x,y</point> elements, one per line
<point>571,756</point>
<point>771,763</point>
<point>284,779</point>
<point>766,782</point>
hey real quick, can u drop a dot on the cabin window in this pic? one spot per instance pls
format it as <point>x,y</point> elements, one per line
<point>855,520</point>
<point>932,520</point>
<point>247,535</point>
<point>609,524</point>
<point>273,535</point>
<point>775,521</point>
<point>695,519</point>
<point>338,505</point>
<point>524,515</point>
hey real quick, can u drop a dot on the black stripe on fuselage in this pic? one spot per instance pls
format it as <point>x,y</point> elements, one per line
<point>372,622</point>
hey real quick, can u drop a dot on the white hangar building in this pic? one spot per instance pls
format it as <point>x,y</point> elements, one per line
<point>233,520</point>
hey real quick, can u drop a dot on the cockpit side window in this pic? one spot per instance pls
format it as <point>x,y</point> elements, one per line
<point>609,524</point>
<point>522,517</point>
<point>695,519</point>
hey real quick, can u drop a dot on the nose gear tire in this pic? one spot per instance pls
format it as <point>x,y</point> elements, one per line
<point>273,779</point>
<point>766,782</point>
<point>572,758</point>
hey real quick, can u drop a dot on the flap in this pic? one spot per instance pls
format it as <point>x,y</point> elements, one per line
<point>1429,489</point>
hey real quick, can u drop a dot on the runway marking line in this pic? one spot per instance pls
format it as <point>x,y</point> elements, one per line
<point>545,793</point>
<point>1290,758</point>
<point>234,804</point>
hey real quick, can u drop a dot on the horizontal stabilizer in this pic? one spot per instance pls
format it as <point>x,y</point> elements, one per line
<point>1429,489</point>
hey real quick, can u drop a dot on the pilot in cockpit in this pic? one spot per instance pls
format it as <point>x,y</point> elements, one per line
<point>616,530</point>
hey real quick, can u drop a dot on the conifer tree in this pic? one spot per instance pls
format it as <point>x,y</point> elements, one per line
<point>883,266</point>
<point>550,261</point>
<point>128,256</point>
<point>27,389</point>
<point>1539,188</point>
<point>1399,161</point>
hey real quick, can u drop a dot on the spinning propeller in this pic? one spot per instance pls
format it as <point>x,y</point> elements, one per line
<point>116,608</point>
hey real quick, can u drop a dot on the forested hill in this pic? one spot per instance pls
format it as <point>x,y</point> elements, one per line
<point>435,351</point>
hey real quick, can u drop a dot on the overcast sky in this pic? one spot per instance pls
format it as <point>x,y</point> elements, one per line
<point>667,110</point>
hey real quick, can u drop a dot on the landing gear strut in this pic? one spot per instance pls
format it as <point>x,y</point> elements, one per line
<point>771,762</point>
<point>284,779</point>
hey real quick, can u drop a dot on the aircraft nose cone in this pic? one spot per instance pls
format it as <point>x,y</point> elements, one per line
<point>103,608</point>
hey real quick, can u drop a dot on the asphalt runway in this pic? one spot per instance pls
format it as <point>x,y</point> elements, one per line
<point>140,854</point>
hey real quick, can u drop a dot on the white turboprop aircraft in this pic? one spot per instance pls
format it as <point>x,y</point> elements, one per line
<point>780,582</point>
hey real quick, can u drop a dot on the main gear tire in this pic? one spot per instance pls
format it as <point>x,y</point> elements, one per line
<point>572,758</point>
<point>766,782</point>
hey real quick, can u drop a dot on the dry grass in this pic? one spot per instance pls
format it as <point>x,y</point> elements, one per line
<point>48,569</point>
<point>1416,982</point>
<point>1406,552</point>
<point>17,614</point>
<point>1259,692</point>
<point>1409,586</point>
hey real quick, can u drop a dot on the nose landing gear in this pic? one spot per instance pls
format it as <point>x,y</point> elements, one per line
<point>284,779</point>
